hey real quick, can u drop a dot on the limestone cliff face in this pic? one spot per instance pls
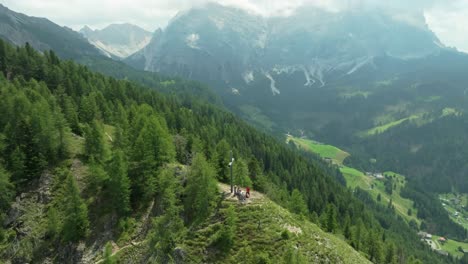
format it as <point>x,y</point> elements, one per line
<point>119,40</point>
<point>230,48</point>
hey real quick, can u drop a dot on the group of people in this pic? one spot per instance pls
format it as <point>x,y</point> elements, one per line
<point>240,193</point>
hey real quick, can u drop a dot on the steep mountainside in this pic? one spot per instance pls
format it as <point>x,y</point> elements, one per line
<point>43,35</point>
<point>119,40</point>
<point>92,159</point>
<point>377,84</point>
<point>337,77</point>
<point>232,48</point>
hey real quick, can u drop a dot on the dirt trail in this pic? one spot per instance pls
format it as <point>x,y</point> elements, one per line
<point>255,197</point>
<point>116,249</point>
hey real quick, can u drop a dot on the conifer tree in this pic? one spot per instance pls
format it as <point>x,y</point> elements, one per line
<point>169,226</point>
<point>108,258</point>
<point>201,190</point>
<point>241,174</point>
<point>119,184</point>
<point>390,254</point>
<point>53,223</point>
<point>7,190</point>
<point>153,148</point>
<point>297,203</point>
<point>76,223</point>
<point>97,177</point>
<point>222,159</point>
<point>225,237</point>
<point>331,218</point>
<point>88,109</point>
<point>95,147</point>
<point>347,227</point>
<point>3,58</point>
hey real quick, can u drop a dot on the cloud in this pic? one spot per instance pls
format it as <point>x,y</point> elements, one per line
<point>449,22</point>
<point>445,18</point>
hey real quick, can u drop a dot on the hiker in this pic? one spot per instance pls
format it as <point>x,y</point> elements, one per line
<point>241,195</point>
<point>247,192</point>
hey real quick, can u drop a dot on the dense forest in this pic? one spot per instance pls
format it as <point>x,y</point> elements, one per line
<point>133,137</point>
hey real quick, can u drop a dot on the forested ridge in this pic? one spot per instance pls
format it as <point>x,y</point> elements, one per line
<point>133,137</point>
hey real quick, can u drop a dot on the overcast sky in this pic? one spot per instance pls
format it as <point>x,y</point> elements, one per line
<point>447,18</point>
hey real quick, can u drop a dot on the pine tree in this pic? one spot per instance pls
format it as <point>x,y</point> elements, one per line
<point>3,58</point>
<point>75,226</point>
<point>297,203</point>
<point>119,184</point>
<point>225,237</point>
<point>347,227</point>
<point>88,109</point>
<point>108,258</point>
<point>168,227</point>
<point>241,174</point>
<point>153,148</point>
<point>70,113</point>
<point>53,223</point>
<point>201,190</point>
<point>390,254</point>
<point>331,218</point>
<point>120,139</point>
<point>255,170</point>
<point>222,160</point>
<point>7,192</point>
<point>97,177</point>
<point>374,247</point>
<point>18,165</point>
<point>95,147</point>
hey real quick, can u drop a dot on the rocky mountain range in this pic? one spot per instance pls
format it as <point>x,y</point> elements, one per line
<point>231,48</point>
<point>119,40</point>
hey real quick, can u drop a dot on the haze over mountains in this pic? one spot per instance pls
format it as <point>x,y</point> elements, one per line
<point>231,48</point>
<point>119,40</point>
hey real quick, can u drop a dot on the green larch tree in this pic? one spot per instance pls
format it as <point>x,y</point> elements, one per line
<point>297,203</point>
<point>201,190</point>
<point>119,183</point>
<point>76,223</point>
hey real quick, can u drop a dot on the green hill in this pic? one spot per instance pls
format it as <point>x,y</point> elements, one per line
<point>264,232</point>
<point>323,150</point>
<point>450,246</point>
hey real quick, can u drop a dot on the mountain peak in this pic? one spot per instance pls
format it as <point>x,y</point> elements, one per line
<point>118,40</point>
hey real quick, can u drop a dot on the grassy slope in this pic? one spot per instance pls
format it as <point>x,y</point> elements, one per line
<point>325,151</point>
<point>384,127</point>
<point>259,225</point>
<point>355,178</point>
<point>451,246</point>
<point>415,118</point>
<point>313,243</point>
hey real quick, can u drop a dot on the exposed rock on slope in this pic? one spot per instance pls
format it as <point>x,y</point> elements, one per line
<point>119,40</point>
